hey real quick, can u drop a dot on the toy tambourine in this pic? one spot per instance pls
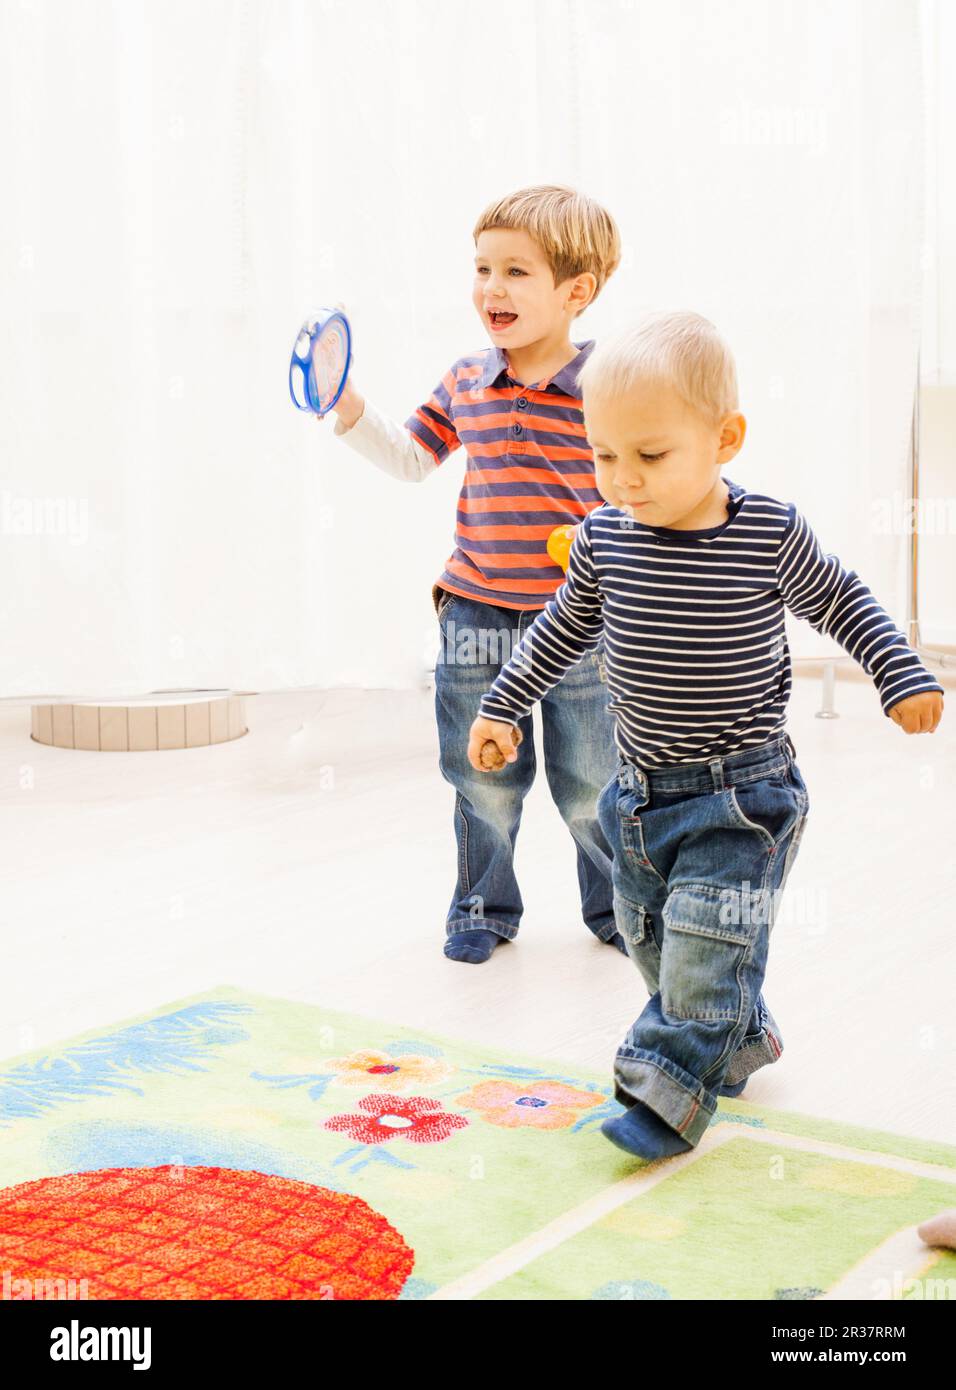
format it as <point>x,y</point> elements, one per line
<point>320,361</point>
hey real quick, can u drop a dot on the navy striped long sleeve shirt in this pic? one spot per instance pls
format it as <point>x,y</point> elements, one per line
<point>696,651</point>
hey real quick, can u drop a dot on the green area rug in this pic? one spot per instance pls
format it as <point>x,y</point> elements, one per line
<point>232,1145</point>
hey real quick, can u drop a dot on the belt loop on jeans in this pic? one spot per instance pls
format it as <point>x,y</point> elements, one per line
<point>631,778</point>
<point>717,772</point>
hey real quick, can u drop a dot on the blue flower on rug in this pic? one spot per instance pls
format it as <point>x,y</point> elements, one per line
<point>175,1042</point>
<point>623,1291</point>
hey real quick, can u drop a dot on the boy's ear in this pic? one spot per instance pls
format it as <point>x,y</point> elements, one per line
<point>733,430</point>
<point>583,290</point>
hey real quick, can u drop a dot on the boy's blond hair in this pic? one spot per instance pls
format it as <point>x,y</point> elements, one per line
<point>574,232</point>
<point>681,349</point>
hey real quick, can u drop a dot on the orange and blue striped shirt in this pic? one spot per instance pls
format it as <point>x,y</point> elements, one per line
<point>529,470</point>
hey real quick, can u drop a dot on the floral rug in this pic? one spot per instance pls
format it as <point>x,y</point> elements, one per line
<point>236,1146</point>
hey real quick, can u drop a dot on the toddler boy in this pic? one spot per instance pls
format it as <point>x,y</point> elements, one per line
<point>685,576</point>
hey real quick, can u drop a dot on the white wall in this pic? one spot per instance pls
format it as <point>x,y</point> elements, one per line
<point>937,480</point>
<point>937,514</point>
<point>183,182</point>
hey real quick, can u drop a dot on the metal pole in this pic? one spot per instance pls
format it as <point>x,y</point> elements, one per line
<point>931,654</point>
<point>827,711</point>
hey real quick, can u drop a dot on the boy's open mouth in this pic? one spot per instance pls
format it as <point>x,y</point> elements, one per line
<point>499,319</point>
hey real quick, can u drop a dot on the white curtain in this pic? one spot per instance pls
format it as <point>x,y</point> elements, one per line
<point>184,182</point>
<point>938,26</point>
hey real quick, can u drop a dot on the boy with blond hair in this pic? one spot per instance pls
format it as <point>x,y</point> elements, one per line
<point>543,255</point>
<point>685,576</point>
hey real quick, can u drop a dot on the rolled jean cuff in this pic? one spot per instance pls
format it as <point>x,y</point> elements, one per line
<point>672,1094</point>
<point>481,924</point>
<point>749,1057</point>
<point>606,932</point>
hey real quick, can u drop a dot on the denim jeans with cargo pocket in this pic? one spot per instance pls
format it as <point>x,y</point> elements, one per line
<point>702,852</point>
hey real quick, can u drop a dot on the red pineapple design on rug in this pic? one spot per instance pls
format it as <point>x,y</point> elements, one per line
<point>199,1233</point>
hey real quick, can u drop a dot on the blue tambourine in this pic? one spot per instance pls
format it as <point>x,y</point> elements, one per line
<point>320,361</point>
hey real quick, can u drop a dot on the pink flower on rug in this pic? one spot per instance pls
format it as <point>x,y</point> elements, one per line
<point>540,1104</point>
<point>417,1118</point>
<point>370,1068</point>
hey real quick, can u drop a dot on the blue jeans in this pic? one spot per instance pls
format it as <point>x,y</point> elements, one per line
<point>579,757</point>
<point>701,855</point>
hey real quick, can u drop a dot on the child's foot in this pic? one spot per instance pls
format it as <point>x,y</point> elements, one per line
<point>618,941</point>
<point>640,1130</point>
<point>472,946</point>
<point>734,1090</point>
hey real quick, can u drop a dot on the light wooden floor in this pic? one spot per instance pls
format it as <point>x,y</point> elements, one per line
<point>313,859</point>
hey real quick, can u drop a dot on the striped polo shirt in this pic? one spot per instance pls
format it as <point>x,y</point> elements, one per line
<point>529,470</point>
<point>696,651</point>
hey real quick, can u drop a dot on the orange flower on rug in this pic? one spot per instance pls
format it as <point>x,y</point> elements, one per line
<point>541,1104</point>
<point>381,1069</point>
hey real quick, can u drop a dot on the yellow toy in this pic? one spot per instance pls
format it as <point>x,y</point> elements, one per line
<point>559,545</point>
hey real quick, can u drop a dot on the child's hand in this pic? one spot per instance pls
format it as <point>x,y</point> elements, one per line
<point>918,714</point>
<point>491,744</point>
<point>351,404</point>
